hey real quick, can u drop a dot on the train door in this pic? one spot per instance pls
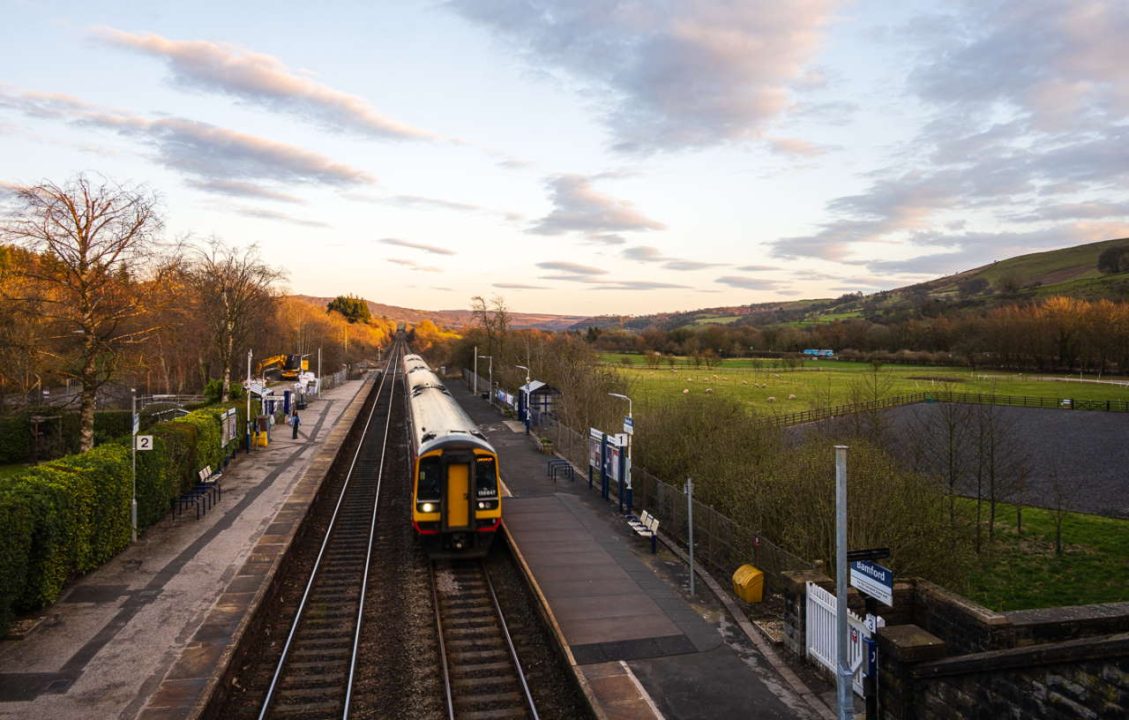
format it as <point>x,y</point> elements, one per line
<point>458,492</point>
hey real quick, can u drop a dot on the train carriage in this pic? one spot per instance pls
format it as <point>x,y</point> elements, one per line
<point>456,495</point>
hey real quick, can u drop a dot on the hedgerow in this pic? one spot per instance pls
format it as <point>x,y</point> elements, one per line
<point>68,516</point>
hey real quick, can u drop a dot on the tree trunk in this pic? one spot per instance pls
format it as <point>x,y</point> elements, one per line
<point>86,408</point>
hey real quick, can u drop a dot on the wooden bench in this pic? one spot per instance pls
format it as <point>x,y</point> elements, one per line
<point>647,526</point>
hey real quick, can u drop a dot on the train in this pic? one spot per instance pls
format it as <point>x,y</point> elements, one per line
<point>456,478</point>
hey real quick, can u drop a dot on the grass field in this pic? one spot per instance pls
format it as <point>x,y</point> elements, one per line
<point>819,383</point>
<point>1022,571</point>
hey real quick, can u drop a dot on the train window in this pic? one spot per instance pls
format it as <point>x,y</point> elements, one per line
<point>486,478</point>
<point>430,478</point>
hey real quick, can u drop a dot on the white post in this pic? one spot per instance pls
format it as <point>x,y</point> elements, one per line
<point>690,521</point>
<point>249,400</point>
<point>134,426</point>
<point>476,371</point>
<point>843,677</point>
<point>319,368</point>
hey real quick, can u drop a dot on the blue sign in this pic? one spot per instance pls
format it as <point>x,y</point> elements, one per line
<point>874,580</point>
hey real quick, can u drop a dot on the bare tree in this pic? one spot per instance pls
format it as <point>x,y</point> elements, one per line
<point>234,292</point>
<point>94,240</point>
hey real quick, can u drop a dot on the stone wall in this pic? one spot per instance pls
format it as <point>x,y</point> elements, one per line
<point>1059,681</point>
<point>943,656</point>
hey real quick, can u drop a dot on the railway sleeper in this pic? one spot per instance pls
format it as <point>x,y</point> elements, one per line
<point>467,669</point>
<point>498,714</point>
<point>469,686</point>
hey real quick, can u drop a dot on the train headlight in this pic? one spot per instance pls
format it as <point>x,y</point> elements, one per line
<point>481,505</point>
<point>427,507</point>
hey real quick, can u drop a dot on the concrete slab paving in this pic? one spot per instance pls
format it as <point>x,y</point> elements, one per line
<point>640,646</point>
<point>104,648</point>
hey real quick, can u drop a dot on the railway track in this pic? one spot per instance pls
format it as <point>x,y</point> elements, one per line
<point>482,673</point>
<point>314,673</point>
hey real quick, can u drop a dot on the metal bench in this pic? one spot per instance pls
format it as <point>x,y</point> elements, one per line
<point>646,526</point>
<point>203,494</point>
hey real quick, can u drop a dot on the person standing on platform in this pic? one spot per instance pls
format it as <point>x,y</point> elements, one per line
<point>295,421</point>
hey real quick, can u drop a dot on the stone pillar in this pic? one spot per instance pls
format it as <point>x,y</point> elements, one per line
<point>900,648</point>
<point>796,606</point>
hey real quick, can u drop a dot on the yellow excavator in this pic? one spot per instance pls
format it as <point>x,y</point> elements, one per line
<point>286,367</point>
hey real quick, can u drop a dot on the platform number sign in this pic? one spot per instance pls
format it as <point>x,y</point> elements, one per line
<point>143,442</point>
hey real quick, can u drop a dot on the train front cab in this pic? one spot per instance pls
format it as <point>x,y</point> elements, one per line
<point>457,507</point>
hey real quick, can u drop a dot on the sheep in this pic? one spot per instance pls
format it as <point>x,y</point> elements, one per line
<point>709,390</point>
<point>791,396</point>
<point>685,391</point>
<point>771,399</point>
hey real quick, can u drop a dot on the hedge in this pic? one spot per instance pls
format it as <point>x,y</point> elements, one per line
<point>16,444</point>
<point>67,517</point>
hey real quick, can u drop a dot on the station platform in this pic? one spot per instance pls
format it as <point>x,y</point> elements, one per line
<point>640,645</point>
<point>142,635</point>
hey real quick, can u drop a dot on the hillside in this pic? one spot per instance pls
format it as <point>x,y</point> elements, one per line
<point>1070,271</point>
<point>455,319</point>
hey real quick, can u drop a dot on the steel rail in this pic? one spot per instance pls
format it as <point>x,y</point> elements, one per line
<point>510,644</point>
<point>372,534</point>
<point>325,541</point>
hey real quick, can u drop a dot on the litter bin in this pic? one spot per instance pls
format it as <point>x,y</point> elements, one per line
<point>748,584</point>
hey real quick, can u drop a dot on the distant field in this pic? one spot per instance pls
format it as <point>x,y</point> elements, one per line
<point>820,383</point>
<point>1022,571</point>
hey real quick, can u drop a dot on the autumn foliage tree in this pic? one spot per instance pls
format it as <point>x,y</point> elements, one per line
<point>94,241</point>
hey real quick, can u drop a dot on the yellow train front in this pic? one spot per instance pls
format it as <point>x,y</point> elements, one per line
<point>456,488</point>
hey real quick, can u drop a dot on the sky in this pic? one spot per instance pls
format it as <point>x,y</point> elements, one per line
<point>587,156</point>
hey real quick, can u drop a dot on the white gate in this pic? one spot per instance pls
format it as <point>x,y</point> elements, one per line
<point>821,640</point>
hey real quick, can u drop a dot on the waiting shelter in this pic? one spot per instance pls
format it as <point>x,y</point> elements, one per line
<point>541,397</point>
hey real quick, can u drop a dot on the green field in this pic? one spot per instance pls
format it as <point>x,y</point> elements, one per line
<point>820,383</point>
<point>1021,571</point>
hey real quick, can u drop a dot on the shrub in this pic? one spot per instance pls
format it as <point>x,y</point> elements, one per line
<point>69,516</point>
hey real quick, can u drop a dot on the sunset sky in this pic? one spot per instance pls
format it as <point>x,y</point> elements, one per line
<point>582,156</point>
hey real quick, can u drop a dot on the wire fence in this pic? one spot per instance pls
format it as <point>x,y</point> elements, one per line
<point>816,414</point>
<point>720,542</point>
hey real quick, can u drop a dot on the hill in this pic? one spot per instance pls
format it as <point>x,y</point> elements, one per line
<point>456,319</point>
<point>1071,271</point>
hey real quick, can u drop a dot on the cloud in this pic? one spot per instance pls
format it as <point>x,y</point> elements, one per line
<point>431,203</point>
<point>747,283</point>
<point>571,268</point>
<point>242,188</point>
<point>650,254</point>
<point>674,75</point>
<point>518,286</point>
<point>638,285</point>
<point>606,239</point>
<point>579,208</point>
<point>974,249</point>
<point>263,80</point>
<point>433,249</point>
<point>757,268</point>
<point>1074,211</point>
<point>795,147</point>
<point>413,265</point>
<point>1060,62</point>
<point>195,148</point>
<point>571,278</point>
<point>265,214</point>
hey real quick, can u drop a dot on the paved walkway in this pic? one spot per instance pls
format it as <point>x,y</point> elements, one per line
<point>103,649</point>
<point>643,646</point>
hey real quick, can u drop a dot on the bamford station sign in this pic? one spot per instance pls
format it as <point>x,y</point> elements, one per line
<point>874,580</point>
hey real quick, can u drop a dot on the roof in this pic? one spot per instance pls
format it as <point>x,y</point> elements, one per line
<point>534,387</point>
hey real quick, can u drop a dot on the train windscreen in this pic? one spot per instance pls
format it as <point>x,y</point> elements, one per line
<point>486,478</point>
<point>430,478</point>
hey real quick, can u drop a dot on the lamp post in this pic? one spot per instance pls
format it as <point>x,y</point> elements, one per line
<point>525,392</point>
<point>475,391</point>
<point>629,428</point>
<point>490,369</point>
